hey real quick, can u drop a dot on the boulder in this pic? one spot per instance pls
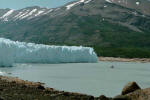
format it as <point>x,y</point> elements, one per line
<point>102,97</point>
<point>121,97</point>
<point>130,87</point>
<point>1,99</point>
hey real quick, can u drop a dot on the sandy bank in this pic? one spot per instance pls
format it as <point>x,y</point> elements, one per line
<point>143,60</point>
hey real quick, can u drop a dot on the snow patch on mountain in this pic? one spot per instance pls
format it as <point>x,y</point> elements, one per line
<point>39,13</point>
<point>105,6</point>
<point>19,14</point>
<point>47,11</point>
<point>73,4</point>
<point>22,15</point>
<point>26,13</point>
<point>137,3</point>
<point>8,13</point>
<point>109,1</point>
<point>20,52</point>
<point>87,1</point>
<point>29,14</point>
<point>5,16</point>
<point>76,3</point>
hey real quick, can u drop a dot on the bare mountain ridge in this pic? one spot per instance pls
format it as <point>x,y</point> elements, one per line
<point>142,6</point>
<point>83,22</point>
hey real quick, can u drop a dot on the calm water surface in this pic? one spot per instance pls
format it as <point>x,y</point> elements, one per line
<point>88,78</point>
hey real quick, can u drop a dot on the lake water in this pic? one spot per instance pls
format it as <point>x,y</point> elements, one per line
<point>89,78</point>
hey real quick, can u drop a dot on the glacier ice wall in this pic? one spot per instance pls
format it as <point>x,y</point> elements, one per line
<point>21,52</point>
<point>7,49</point>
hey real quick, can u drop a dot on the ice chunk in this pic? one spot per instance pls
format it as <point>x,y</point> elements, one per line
<point>21,52</point>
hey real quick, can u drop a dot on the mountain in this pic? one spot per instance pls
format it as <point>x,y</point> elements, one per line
<point>108,24</point>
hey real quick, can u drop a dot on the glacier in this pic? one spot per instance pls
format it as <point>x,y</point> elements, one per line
<point>21,52</point>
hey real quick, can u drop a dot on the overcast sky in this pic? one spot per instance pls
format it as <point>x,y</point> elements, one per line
<point>17,4</point>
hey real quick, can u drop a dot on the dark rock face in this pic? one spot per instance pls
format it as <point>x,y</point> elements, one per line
<point>40,87</point>
<point>91,98</point>
<point>130,87</point>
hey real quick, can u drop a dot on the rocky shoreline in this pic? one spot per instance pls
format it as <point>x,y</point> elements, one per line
<point>12,88</point>
<point>143,60</point>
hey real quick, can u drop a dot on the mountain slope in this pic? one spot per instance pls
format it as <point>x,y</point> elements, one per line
<point>142,6</point>
<point>104,23</point>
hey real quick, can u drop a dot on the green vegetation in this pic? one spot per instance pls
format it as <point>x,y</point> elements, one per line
<point>105,35</point>
<point>124,52</point>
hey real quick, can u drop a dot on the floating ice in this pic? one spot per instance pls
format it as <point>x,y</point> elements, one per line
<point>2,73</point>
<point>21,52</point>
